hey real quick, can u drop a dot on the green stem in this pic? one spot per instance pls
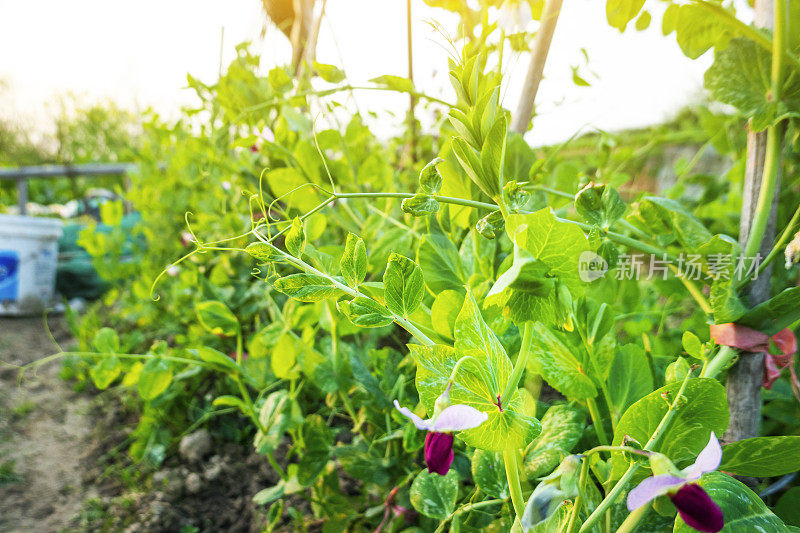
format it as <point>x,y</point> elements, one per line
<point>576,509</point>
<point>724,358</point>
<point>302,265</point>
<point>611,497</point>
<point>633,519</point>
<point>519,365</point>
<point>787,233</point>
<point>511,460</point>
<point>465,509</point>
<point>774,137</point>
<point>597,421</point>
<point>725,16</point>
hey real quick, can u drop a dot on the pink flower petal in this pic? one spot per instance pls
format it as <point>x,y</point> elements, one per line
<point>425,425</point>
<point>459,417</point>
<point>697,508</point>
<point>651,488</point>
<point>707,460</point>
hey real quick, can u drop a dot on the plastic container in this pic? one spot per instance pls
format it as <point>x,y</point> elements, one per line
<point>28,258</point>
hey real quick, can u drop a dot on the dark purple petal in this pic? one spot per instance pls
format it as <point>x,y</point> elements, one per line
<point>697,508</point>
<point>438,452</point>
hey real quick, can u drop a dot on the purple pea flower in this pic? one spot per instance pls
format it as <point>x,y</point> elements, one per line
<point>695,506</point>
<point>440,428</point>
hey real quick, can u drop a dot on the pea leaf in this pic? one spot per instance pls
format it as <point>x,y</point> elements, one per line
<point>620,12</point>
<point>630,379</point>
<point>318,441</point>
<point>599,205</point>
<point>478,384</point>
<point>307,287</point>
<point>263,252</point>
<point>762,456</point>
<point>420,205</point>
<point>105,371</point>
<point>155,378</point>
<point>354,260</point>
<point>296,238</point>
<point>430,181</point>
<point>561,366</point>
<point>329,73</point>
<point>403,283</point>
<point>671,221</point>
<point>742,508</point>
<point>434,495</point>
<point>556,244</point>
<point>395,83</point>
<point>365,313</point>
<point>562,427</point>
<point>216,318</point>
<point>440,261</point>
<point>698,30</point>
<point>489,473</point>
<point>705,410</point>
<point>740,76</point>
<point>214,357</point>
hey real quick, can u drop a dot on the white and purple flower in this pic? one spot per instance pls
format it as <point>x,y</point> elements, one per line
<point>440,427</point>
<point>694,505</point>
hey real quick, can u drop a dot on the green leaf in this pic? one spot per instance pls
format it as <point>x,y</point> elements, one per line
<point>318,441</point>
<point>279,80</point>
<point>307,287</point>
<point>704,410</point>
<point>366,380</point>
<point>788,507</point>
<point>439,259</point>
<point>354,260</point>
<point>556,244</point>
<point>561,366</point>
<point>214,357</point>
<point>489,473</point>
<point>230,401</point>
<point>278,414</point>
<point>444,311</point>
<point>365,313</point>
<point>630,379</point>
<point>420,205</point>
<point>740,76</point>
<point>106,341</point>
<point>620,12</point>
<point>562,427</point>
<point>284,357</point>
<point>329,73</point>
<point>105,371</point>
<point>477,384</point>
<point>780,311</point>
<point>762,456</point>
<point>470,162</point>
<point>263,252</point>
<point>404,286</point>
<point>430,181</point>
<point>216,318</point>
<point>155,378</point>
<point>599,205</point>
<point>434,495</point>
<point>493,154</point>
<point>526,292</point>
<point>296,238</point>
<point>698,30</point>
<point>670,220</point>
<point>643,22</point>
<point>284,183</point>
<point>692,345</point>
<point>725,303</point>
<point>396,83</point>
<point>742,508</point>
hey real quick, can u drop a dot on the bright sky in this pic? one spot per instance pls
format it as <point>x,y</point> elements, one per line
<point>138,54</point>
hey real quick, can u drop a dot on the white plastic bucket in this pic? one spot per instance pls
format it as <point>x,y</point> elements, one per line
<point>28,258</point>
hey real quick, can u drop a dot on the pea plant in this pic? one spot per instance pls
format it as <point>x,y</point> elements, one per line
<point>556,386</point>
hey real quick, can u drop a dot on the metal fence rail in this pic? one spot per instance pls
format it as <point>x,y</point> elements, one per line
<point>22,174</point>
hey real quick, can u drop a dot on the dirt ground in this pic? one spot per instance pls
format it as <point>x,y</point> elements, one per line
<point>44,429</point>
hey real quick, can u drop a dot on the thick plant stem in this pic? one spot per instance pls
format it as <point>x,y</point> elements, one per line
<point>519,365</point>
<point>511,460</point>
<point>541,46</point>
<point>633,519</point>
<point>612,496</point>
<point>757,230</point>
